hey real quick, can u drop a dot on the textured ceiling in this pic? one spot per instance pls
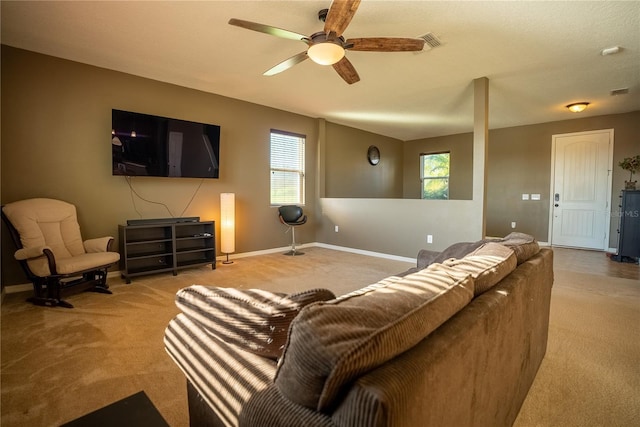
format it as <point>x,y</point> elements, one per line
<point>538,56</point>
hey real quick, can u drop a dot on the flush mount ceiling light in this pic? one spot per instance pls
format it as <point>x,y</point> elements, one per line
<point>577,107</point>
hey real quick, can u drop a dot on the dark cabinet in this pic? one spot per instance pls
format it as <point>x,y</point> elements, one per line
<point>164,247</point>
<point>629,227</point>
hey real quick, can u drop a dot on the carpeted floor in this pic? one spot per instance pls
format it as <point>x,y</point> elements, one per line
<point>59,364</point>
<point>591,373</point>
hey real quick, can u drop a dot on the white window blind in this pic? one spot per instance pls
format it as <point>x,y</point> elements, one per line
<point>287,168</point>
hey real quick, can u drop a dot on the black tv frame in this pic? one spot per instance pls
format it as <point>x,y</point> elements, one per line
<point>149,145</point>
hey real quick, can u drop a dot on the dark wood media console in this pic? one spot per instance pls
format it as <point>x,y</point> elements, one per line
<point>629,227</point>
<point>166,246</point>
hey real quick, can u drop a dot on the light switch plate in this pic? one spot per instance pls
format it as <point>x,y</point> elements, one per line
<point>525,197</point>
<point>535,197</point>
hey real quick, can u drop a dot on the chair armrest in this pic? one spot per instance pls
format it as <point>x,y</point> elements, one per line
<point>101,244</point>
<point>24,254</point>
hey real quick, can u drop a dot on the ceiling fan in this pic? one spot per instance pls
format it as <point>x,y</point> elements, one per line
<point>328,47</point>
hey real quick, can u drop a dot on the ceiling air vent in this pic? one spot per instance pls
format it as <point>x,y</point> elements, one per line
<point>622,91</point>
<point>431,40</point>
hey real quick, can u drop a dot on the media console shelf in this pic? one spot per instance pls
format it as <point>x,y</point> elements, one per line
<point>629,227</point>
<point>166,246</point>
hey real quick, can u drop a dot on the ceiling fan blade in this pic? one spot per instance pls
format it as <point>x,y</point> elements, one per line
<point>268,29</point>
<point>386,44</point>
<point>286,64</point>
<point>339,16</point>
<point>346,71</point>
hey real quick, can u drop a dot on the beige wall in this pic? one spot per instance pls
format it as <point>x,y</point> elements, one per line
<point>56,120</point>
<point>56,130</point>
<point>398,226</point>
<point>349,174</point>
<point>461,164</point>
<point>404,226</point>
<point>519,161</point>
<point>347,170</point>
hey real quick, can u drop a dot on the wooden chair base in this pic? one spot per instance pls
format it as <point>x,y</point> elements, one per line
<point>48,292</point>
<point>56,302</point>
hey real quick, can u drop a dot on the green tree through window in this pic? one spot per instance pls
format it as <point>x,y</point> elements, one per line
<point>434,175</point>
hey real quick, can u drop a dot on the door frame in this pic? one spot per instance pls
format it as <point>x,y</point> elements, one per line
<point>607,227</point>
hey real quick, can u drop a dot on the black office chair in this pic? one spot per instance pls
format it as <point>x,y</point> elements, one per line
<point>292,216</point>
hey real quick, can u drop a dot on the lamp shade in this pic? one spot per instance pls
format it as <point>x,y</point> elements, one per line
<point>227,222</point>
<point>325,53</point>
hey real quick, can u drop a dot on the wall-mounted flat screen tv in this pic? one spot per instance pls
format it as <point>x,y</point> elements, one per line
<point>147,145</point>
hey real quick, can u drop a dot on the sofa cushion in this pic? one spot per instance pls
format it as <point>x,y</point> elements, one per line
<point>457,250</point>
<point>524,245</point>
<point>331,343</point>
<point>488,264</point>
<point>254,319</point>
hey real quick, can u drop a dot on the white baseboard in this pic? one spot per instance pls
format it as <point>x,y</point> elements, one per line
<point>14,289</point>
<point>262,252</point>
<point>363,252</point>
<point>319,245</point>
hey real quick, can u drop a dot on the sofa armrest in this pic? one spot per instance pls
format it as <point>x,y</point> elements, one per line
<point>253,319</point>
<point>457,251</point>
<point>425,258</point>
<point>24,254</point>
<point>100,244</point>
<point>474,370</point>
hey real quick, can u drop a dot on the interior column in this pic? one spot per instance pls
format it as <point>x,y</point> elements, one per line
<point>480,146</point>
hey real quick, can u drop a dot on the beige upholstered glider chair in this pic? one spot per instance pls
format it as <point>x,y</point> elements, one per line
<point>52,253</point>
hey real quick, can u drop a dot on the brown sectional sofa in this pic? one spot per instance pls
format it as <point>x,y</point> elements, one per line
<point>456,342</point>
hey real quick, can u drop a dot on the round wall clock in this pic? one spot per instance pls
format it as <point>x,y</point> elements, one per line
<point>373,155</point>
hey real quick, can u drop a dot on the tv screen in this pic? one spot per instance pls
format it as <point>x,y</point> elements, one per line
<point>147,145</point>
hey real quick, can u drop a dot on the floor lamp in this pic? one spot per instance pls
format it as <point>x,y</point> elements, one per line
<point>227,224</point>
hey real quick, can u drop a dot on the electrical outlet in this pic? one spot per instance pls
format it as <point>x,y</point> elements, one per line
<point>336,229</point>
<point>429,238</point>
<point>513,224</point>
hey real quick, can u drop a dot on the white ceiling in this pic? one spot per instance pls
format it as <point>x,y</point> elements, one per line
<point>538,56</point>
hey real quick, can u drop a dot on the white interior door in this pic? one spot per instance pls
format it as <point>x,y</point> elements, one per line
<point>581,189</point>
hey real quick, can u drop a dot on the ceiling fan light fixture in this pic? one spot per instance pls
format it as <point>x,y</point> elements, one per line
<point>577,107</point>
<point>325,53</point>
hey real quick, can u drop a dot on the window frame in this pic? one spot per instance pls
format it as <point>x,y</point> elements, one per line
<point>424,177</point>
<point>298,148</point>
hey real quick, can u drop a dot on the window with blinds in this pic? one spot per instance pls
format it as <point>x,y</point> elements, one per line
<point>287,168</point>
